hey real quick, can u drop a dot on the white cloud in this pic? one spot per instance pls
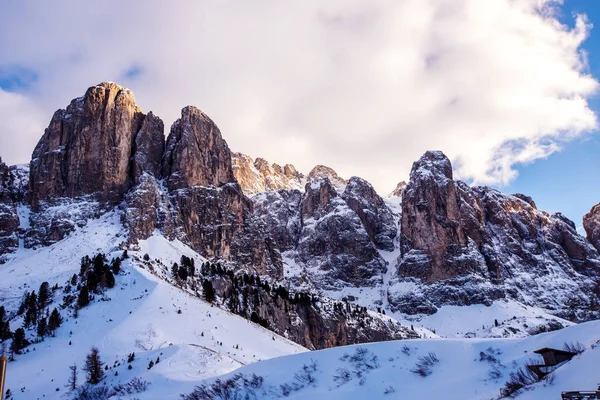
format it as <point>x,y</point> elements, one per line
<point>365,87</point>
<point>20,127</point>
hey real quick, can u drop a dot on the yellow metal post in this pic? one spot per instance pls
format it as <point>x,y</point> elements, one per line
<point>3,363</point>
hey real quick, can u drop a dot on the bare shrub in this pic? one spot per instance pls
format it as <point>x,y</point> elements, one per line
<point>424,366</point>
<point>306,376</point>
<point>519,379</point>
<point>576,347</point>
<point>389,390</point>
<point>237,387</point>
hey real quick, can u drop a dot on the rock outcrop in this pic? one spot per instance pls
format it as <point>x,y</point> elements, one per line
<point>298,317</point>
<point>334,246</point>
<point>591,224</point>
<point>255,176</point>
<point>375,215</point>
<point>196,154</point>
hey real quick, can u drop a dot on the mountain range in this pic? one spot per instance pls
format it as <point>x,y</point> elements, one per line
<point>342,264</point>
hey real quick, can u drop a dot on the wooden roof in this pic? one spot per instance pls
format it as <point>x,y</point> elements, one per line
<point>558,351</point>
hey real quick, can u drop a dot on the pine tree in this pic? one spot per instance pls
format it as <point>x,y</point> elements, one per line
<point>110,279</point>
<point>54,321</point>
<point>209,291</point>
<point>72,383</point>
<point>42,327</point>
<point>116,266</point>
<point>124,256</point>
<point>150,364</point>
<point>19,341</point>
<point>93,367</point>
<point>5,332</point>
<point>175,270</point>
<point>74,280</point>
<point>84,297</point>
<point>44,296</point>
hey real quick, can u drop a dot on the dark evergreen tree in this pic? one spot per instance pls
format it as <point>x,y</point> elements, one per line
<point>84,297</point>
<point>110,279</point>
<point>74,280</point>
<point>42,327</point>
<point>182,273</point>
<point>72,383</point>
<point>19,341</point>
<point>175,270</point>
<point>150,364</point>
<point>44,296</point>
<point>209,291</point>
<point>24,303</point>
<point>92,281</point>
<point>54,321</point>
<point>115,266</point>
<point>5,332</point>
<point>94,367</point>
<point>125,255</point>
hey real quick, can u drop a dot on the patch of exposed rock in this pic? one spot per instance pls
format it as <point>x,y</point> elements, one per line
<point>255,176</point>
<point>322,172</point>
<point>400,187</point>
<point>591,224</point>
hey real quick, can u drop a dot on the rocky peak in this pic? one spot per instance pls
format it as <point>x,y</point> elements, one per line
<point>259,176</point>
<point>431,216</point>
<point>196,154</point>
<point>87,147</point>
<point>321,171</point>
<point>400,187</point>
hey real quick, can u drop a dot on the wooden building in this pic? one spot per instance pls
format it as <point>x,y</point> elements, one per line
<point>552,359</point>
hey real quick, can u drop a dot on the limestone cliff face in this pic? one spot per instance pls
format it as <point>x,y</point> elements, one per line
<point>431,219</point>
<point>196,154</point>
<point>87,147</point>
<point>149,148</point>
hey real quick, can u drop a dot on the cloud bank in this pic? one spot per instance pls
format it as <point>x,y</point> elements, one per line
<point>364,87</point>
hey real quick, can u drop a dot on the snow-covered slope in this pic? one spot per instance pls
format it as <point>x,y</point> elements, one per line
<point>465,369</point>
<point>142,313</point>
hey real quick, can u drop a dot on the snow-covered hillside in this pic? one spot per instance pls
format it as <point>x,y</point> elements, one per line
<point>465,369</point>
<point>142,314</point>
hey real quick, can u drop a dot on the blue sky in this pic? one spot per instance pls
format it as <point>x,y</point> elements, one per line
<point>569,181</point>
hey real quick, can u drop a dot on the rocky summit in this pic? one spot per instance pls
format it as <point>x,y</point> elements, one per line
<point>435,241</point>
